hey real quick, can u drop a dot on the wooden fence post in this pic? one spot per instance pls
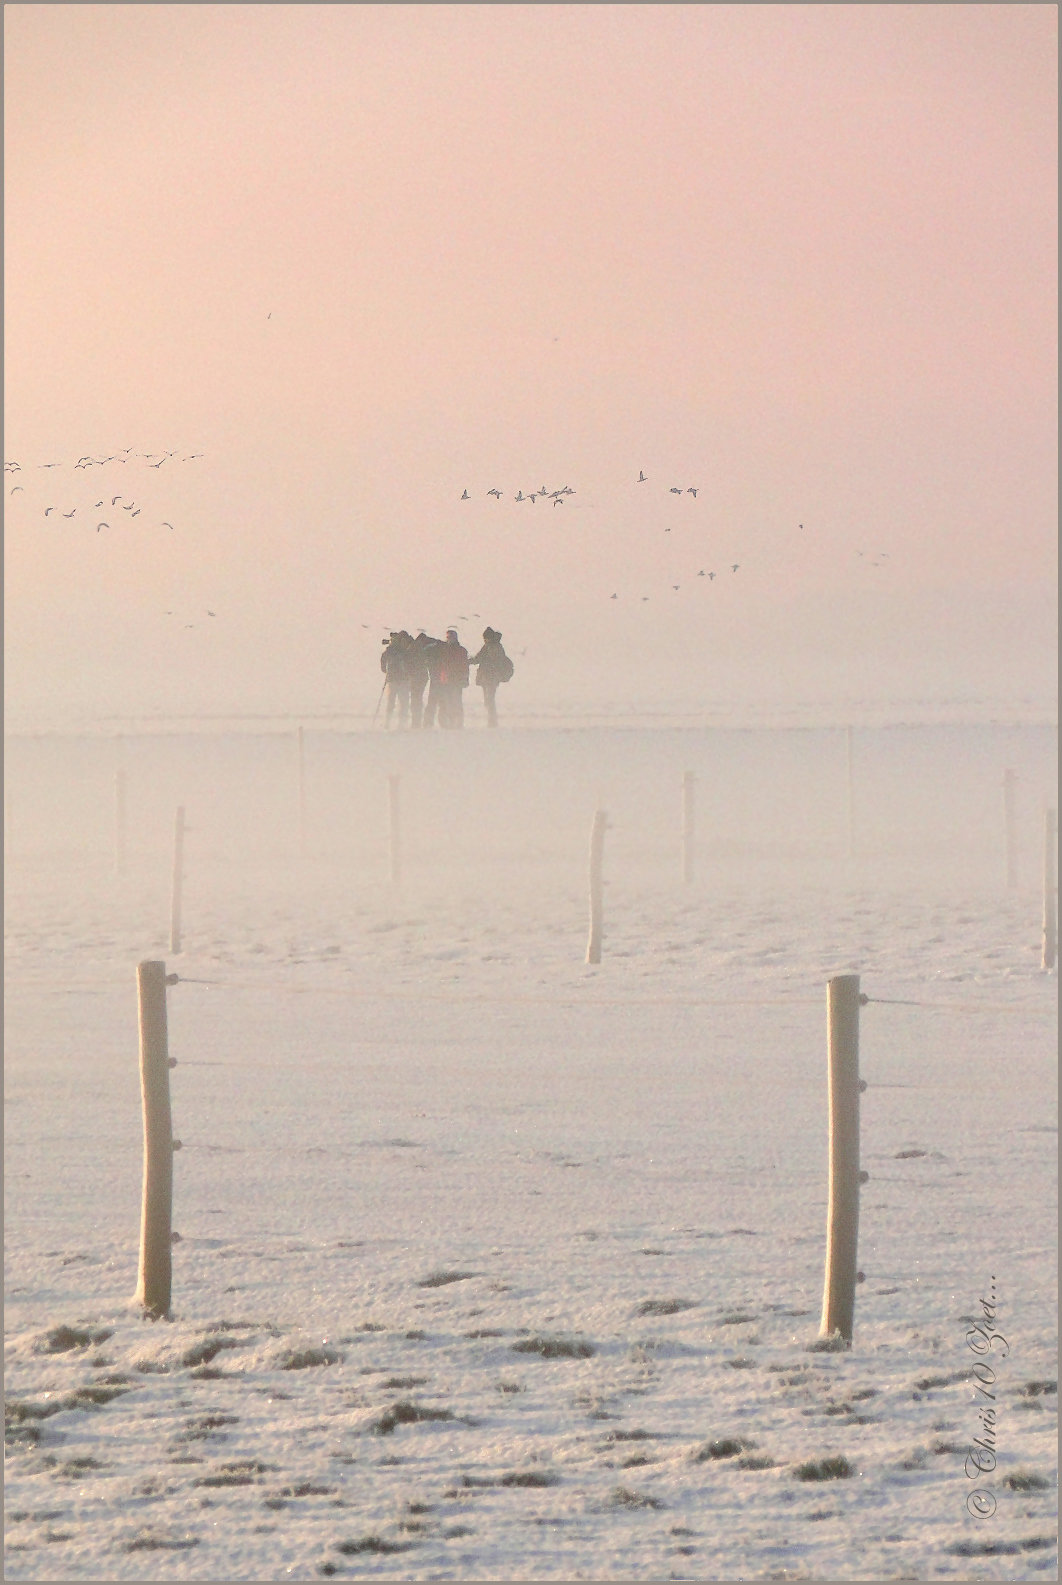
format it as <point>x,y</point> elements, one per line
<point>394,830</point>
<point>301,744</point>
<point>119,821</point>
<point>1009,779</point>
<point>597,849</point>
<point>688,782</point>
<point>1050,906</point>
<point>849,736</point>
<point>156,1216</point>
<point>178,881</point>
<point>842,1217</point>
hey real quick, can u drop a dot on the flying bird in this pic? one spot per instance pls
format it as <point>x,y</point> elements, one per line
<point>466,496</point>
<point>68,514</point>
<point>641,479</point>
<point>49,464</point>
<point>212,613</point>
<point>12,467</point>
<point>19,487</point>
<point>48,509</point>
<point>735,567</point>
<point>520,496</point>
<point>711,575</point>
<point>136,513</point>
<point>614,597</point>
<point>692,491</point>
<point>558,500</point>
<point>495,492</point>
<point>106,525</point>
<point>100,503</point>
<point>675,490</point>
<point>170,526</point>
<point>676,586</point>
<point>701,573</point>
<point>115,499</point>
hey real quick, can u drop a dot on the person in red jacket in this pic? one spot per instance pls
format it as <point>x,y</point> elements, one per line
<point>451,680</point>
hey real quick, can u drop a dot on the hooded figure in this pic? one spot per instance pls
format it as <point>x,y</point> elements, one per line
<point>494,667</point>
<point>449,679</point>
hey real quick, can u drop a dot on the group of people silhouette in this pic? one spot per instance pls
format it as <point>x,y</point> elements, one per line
<point>441,666</point>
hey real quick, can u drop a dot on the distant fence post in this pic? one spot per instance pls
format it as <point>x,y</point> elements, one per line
<point>849,736</point>
<point>156,1216</point>
<point>1050,905</point>
<point>301,745</point>
<point>119,821</point>
<point>597,849</point>
<point>394,830</point>
<point>688,812</point>
<point>1009,779</point>
<point>842,1217</point>
<point>178,881</point>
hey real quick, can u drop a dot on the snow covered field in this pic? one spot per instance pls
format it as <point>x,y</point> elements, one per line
<point>494,1265</point>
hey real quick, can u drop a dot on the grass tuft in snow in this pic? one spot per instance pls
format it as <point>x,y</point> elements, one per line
<point>309,1358</point>
<point>406,1413</point>
<point>1026,1480</point>
<point>554,1347</point>
<point>834,1468</point>
<point>62,1339</point>
<point>725,1447</point>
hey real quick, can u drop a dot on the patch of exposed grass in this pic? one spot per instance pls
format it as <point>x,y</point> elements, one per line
<point>836,1467</point>
<point>309,1358</point>
<point>406,1413</point>
<point>441,1279</point>
<point>665,1306</point>
<point>1026,1480</point>
<point>554,1347</point>
<point>149,1541</point>
<point>62,1339</point>
<point>725,1447</point>
<point>530,1477</point>
<point>371,1543</point>
<point>623,1497</point>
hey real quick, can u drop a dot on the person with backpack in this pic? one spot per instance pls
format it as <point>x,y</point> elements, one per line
<point>494,667</point>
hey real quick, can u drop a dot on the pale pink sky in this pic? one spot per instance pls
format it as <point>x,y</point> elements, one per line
<point>801,257</point>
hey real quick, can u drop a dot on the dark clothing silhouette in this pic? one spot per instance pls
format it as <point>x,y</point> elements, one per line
<point>494,667</point>
<point>450,681</point>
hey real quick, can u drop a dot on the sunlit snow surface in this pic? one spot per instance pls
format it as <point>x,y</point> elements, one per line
<point>494,1265</point>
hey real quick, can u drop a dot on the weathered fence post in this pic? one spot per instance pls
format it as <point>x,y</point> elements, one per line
<point>119,821</point>
<point>688,782</point>
<point>178,881</point>
<point>156,1216</point>
<point>394,830</point>
<point>1009,779</point>
<point>301,743</point>
<point>597,849</point>
<point>849,736</point>
<point>1050,907</point>
<point>842,1217</point>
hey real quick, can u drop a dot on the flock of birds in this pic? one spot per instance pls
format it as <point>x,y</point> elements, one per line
<point>557,496</point>
<point>151,459</point>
